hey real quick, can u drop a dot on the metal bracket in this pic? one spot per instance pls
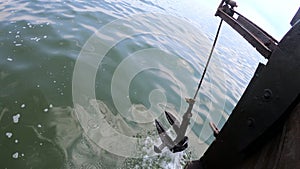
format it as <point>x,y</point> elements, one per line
<point>264,43</point>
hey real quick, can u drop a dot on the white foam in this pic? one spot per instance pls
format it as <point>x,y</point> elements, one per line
<point>46,110</point>
<point>15,155</point>
<point>16,118</point>
<point>23,105</point>
<point>9,59</point>
<point>8,134</point>
<point>35,39</point>
<point>39,126</point>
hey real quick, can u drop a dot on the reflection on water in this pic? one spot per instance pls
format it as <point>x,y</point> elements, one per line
<point>40,42</point>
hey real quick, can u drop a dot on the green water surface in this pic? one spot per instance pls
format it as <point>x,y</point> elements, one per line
<point>40,42</point>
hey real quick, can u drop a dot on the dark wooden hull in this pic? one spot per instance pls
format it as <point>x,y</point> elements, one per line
<point>263,130</point>
<point>282,151</point>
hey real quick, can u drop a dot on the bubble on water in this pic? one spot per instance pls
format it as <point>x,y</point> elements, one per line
<point>18,32</point>
<point>16,141</point>
<point>8,134</point>
<point>47,23</point>
<point>38,86</point>
<point>32,38</point>
<point>15,155</point>
<point>41,144</point>
<point>18,44</point>
<point>39,126</point>
<point>17,36</point>
<point>24,27</point>
<point>54,81</point>
<point>9,59</point>
<point>16,118</point>
<point>50,105</point>
<point>9,31</point>
<point>35,39</point>
<point>22,154</point>
<point>41,25</point>
<point>45,36</point>
<point>23,106</point>
<point>46,110</point>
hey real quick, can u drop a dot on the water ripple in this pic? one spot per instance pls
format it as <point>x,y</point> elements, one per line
<point>40,42</point>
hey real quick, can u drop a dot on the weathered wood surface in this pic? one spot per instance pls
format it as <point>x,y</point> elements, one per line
<point>280,152</point>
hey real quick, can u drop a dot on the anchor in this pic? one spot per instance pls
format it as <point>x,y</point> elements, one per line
<point>181,141</point>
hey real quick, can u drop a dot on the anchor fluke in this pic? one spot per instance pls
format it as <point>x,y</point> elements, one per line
<point>157,150</point>
<point>182,145</point>
<point>173,121</point>
<point>159,127</point>
<point>165,138</point>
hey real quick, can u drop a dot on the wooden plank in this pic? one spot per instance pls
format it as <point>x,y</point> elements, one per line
<point>280,152</point>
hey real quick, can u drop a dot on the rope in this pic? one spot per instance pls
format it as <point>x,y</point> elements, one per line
<point>205,69</point>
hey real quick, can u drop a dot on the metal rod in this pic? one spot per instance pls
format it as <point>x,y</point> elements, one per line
<point>205,69</point>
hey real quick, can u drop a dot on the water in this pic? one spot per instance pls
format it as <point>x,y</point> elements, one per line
<point>64,105</point>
